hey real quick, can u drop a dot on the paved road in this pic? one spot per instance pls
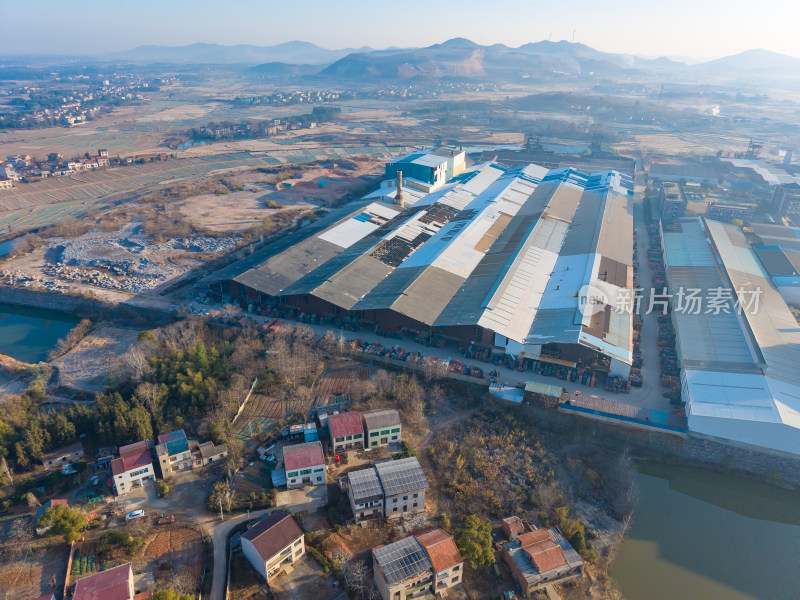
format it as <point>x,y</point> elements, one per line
<point>219,537</point>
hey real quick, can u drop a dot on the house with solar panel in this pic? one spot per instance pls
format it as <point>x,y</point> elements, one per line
<point>365,494</point>
<point>538,557</point>
<point>420,565</point>
<point>404,484</point>
<point>382,427</point>
<point>173,453</point>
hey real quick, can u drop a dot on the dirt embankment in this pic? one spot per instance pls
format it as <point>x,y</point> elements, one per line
<point>12,366</point>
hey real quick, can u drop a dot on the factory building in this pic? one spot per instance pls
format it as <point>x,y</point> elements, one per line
<point>740,351</point>
<point>500,257</point>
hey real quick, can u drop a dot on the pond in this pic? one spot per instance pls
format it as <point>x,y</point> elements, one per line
<point>701,534</point>
<point>28,334</point>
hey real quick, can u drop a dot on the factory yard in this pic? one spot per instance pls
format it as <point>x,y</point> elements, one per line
<point>86,367</point>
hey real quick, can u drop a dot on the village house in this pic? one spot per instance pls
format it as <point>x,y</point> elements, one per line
<point>346,431</point>
<point>273,543</point>
<point>404,484</point>
<point>210,453</point>
<point>112,584</point>
<point>304,464</point>
<point>402,570</point>
<point>5,183</point>
<point>538,557</point>
<point>63,456</point>
<point>133,468</point>
<point>448,565</point>
<point>423,564</point>
<point>173,453</point>
<point>365,494</point>
<point>382,427</point>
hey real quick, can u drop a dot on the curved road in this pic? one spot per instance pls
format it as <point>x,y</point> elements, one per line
<point>219,537</point>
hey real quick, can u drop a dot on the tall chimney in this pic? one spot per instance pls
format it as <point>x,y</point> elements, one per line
<point>398,197</point>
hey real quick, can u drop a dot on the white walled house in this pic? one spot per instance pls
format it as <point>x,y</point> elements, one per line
<point>304,465</point>
<point>133,468</point>
<point>272,544</point>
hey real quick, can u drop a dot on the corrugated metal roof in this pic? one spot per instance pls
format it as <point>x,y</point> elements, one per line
<point>545,389</point>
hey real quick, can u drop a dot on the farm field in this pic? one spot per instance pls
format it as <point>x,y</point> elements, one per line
<point>180,547</point>
<point>258,417</point>
<point>42,573</point>
<point>87,365</point>
<point>334,386</point>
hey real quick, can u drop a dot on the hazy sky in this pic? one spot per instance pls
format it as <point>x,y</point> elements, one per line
<point>696,28</point>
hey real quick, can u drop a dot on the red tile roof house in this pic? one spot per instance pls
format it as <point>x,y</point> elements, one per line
<point>445,558</point>
<point>304,465</point>
<point>114,584</point>
<point>347,431</point>
<point>133,468</point>
<point>539,557</point>
<point>273,543</point>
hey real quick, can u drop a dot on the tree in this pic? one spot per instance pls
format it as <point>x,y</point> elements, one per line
<point>63,520</point>
<point>170,594</point>
<point>474,540</point>
<point>163,488</point>
<point>18,542</point>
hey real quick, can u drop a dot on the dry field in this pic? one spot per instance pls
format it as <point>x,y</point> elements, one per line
<point>259,416</point>
<point>42,573</point>
<point>181,547</point>
<point>87,365</point>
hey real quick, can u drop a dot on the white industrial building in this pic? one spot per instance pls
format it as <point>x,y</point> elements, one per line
<point>740,365</point>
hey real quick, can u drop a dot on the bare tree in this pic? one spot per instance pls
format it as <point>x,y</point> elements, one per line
<point>134,361</point>
<point>184,582</point>
<point>18,548</point>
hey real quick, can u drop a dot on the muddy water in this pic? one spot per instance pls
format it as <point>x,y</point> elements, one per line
<point>28,334</point>
<point>709,536</point>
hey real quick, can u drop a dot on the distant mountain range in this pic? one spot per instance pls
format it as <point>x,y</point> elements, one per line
<point>462,58</point>
<point>289,52</point>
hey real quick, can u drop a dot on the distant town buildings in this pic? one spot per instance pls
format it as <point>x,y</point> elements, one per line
<point>724,211</point>
<point>272,544</point>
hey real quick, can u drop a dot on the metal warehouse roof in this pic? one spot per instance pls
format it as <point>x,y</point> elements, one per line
<point>401,476</point>
<point>402,559</point>
<point>741,371</point>
<point>365,485</point>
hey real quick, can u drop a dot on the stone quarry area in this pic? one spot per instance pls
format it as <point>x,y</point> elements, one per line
<point>126,260</point>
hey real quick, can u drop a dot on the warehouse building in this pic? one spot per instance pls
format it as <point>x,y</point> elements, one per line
<point>740,352</point>
<point>499,257</point>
